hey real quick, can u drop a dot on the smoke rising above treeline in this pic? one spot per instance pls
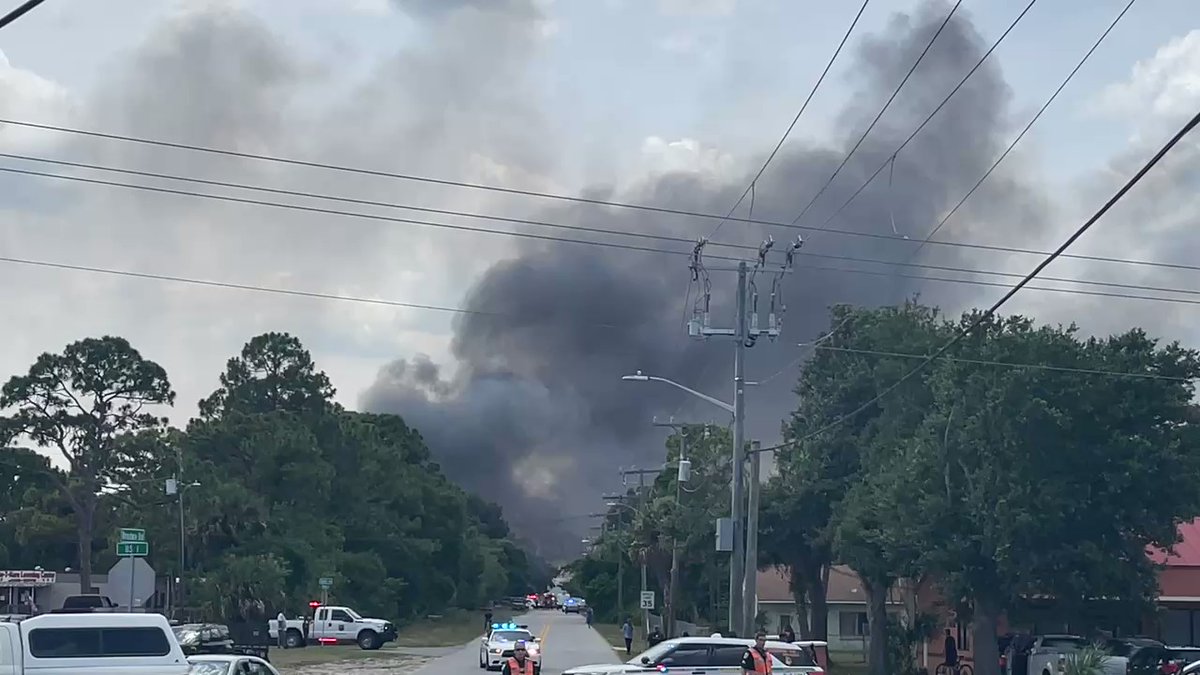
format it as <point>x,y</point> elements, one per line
<point>537,417</point>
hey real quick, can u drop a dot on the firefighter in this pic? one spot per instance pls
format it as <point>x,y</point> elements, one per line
<point>520,663</point>
<point>757,660</point>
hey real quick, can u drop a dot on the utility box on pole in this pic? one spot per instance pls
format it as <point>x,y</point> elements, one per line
<point>725,535</point>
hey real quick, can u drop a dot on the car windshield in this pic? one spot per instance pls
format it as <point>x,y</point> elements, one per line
<point>511,635</point>
<point>1064,642</point>
<point>208,668</point>
<point>652,655</point>
<point>796,656</point>
<point>353,614</point>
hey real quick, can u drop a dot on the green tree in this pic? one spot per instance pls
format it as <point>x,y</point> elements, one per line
<point>36,527</point>
<point>273,372</point>
<point>828,469</point>
<point>79,403</point>
<point>1053,480</point>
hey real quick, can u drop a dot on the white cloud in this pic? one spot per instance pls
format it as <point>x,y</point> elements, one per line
<point>1164,87</point>
<point>686,155</point>
<point>24,95</point>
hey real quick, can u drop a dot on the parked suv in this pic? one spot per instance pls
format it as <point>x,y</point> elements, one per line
<point>715,655</point>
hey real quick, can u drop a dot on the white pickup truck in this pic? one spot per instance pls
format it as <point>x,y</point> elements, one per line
<point>336,625</point>
<point>91,644</point>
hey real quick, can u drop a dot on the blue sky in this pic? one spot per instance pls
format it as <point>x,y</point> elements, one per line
<point>603,92</point>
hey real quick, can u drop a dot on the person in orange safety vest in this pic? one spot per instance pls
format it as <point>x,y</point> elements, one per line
<point>757,660</point>
<point>520,663</point>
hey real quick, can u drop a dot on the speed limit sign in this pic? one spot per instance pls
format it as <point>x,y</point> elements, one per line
<point>647,599</point>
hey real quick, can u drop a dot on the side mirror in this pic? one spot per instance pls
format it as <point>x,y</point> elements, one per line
<point>645,660</point>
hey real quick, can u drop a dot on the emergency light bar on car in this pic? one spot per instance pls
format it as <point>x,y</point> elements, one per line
<point>509,626</point>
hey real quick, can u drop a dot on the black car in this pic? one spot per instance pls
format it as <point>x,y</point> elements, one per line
<point>204,638</point>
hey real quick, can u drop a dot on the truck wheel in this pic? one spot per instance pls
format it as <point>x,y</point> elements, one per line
<point>368,640</point>
<point>293,639</point>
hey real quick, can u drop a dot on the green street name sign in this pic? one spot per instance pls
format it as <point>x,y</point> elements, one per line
<point>133,549</point>
<point>132,534</point>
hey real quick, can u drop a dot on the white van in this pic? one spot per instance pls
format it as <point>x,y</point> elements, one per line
<point>97,644</point>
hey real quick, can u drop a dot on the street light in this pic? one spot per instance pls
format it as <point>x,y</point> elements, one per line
<point>641,377</point>
<point>174,487</point>
<point>737,558</point>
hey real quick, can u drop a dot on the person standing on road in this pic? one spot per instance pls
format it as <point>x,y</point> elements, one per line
<point>757,660</point>
<point>487,620</point>
<point>281,627</point>
<point>520,663</point>
<point>951,651</point>
<point>627,633</point>
<point>590,616</point>
<point>788,634</point>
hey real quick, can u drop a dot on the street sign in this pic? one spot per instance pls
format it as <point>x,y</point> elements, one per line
<point>133,549</point>
<point>326,583</point>
<point>132,534</point>
<point>647,599</point>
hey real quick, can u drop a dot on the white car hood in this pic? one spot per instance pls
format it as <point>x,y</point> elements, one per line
<point>607,668</point>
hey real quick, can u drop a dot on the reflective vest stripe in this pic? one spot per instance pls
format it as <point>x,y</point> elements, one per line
<point>762,666</point>
<point>514,666</point>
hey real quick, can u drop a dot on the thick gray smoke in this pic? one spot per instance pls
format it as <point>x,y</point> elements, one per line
<point>537,416</point>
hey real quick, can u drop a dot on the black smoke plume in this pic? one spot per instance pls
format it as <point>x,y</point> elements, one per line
<point>537,417</point>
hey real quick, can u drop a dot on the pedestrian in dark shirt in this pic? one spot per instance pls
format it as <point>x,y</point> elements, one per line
<point>656,636</point>
<point>951,650</point>
<point>757,660</point>
<point>487,620</point>
<point>788,634</point>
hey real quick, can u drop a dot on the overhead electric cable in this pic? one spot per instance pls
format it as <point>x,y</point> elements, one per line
<point>1007,364</point>
<point>882,110</point>
<point>264,289</point>
<point>929,238</point>
<point>892,157</point>
<point>991,311</point>
<point>590,230</point>
<point>20,11</point>
<point>1028,126</point>
<point>678,212</point>
<point>788,131</point>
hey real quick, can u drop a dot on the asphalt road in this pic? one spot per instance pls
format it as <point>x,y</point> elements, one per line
<point>566,642</point>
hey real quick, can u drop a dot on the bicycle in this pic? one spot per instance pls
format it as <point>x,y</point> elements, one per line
<point>956,669</point>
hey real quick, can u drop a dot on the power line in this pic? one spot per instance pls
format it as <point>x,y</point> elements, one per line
<point>335,212</point>
<point>803,107</point>
<point>991,311</point>
<point>262,289</point>
<point>359,202</point>
<point>984,362</point>
<point>880,115</point>
<point>655,209</point>
<point>630,247</point>
<point>19,12</point>
<point>928,238</point>
<point>592,230</point>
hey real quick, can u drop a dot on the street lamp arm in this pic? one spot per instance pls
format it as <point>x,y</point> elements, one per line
<point>651,378</point>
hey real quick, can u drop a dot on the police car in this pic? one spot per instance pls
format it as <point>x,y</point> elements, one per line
<point>496,647</point>
<point>714,655</point>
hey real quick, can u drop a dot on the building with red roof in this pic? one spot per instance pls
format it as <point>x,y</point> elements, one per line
<point>1177,623</point>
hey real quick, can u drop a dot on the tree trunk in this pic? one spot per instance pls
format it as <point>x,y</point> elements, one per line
<point>983,635</point>
<point>802,627</point>
<point>820,608</point>
<point>85,519</point>
<point>877,621</point>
